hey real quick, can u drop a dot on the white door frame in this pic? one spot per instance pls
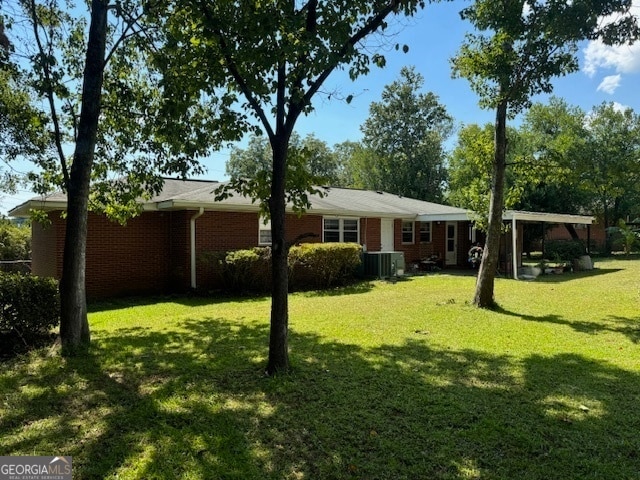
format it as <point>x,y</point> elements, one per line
<point>387,237</point>
<point>451,244</point>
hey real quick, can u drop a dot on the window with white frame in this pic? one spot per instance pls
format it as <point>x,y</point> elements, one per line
<point>264,231</point>
<point>407,232</point>
<point>425,232</point>
<point>340,230</point>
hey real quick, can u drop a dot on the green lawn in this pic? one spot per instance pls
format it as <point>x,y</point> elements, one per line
<point>390,381</point>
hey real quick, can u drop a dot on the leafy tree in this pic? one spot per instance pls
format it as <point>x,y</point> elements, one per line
<point>102,102</point>
<point>346,157</point>
<point>608,168</point>
<point>594,159</point>
<point>270,59</point>
<point>554,135</point>
<point>530,44</point>
<point>22,127</point>
<point>403,140</point>
<point>470,164</point>
<point>314,155</point>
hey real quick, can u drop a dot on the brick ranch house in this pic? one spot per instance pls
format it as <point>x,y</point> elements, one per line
<point>165,248</point>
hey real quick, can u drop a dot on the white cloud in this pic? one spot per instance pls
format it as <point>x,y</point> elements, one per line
<point>610,84</point>
<point>621,58</point>
<point>618,107</point>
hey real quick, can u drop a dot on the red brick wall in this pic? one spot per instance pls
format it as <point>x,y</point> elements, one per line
<point>151,253</point>
<point>179,260</point>
<point>598,233</point>
<point>130,259</point>
<point>121,260</point>
<point>218,232</point>
<point>420,251</point>
<point>370,234</point>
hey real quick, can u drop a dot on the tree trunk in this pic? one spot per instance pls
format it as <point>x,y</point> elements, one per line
<point>278,336</point>
<point>572,231</point>
<point>486,275</point>
<point>74,327</point>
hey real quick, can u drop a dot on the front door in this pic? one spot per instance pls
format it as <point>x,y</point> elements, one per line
<point>452,244</point>
<point>386,235</point>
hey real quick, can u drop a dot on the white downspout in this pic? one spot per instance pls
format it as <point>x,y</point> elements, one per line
<point>514,238</point>
<point>193,246</point>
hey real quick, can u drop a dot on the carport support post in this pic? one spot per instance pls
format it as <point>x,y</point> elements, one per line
<point>514,246</point>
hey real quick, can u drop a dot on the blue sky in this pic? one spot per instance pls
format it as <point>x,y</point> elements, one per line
<point>434,36</point>
<point>606,75</point>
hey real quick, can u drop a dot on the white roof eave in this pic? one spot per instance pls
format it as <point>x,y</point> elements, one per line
<point>24,209</point>
<point>443,217</point>
<point>548,217</point>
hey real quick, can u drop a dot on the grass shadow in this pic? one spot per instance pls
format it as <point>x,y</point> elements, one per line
<point>352,289</point>
<point>629,327</point>
<point>569,276</point>
<point>186,299</point>
<point>193,403</point>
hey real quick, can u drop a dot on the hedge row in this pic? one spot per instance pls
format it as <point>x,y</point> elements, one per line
<point>29,305</point>
<point>311,265</point>
<point>324,265</point>
<point>563,250</point>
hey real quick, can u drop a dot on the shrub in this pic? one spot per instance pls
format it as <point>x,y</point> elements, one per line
<point>311,265</point>
<point>324,264</point>
<point>29,306</point>
<point>247,270</point>
<point>15,242</point>
<point>563,250</point>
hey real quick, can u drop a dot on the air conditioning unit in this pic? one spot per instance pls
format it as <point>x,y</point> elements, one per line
<point>384,264</point>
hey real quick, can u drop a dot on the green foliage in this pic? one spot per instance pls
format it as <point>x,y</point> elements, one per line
<point>403,141</point>
<point>311,265</point>
<point>274,80</point>
<point>470,165</point>
<point>591,159</point>
<point>15,241</point>
<point>545,388</point>
<point>608,167</point>
<point>23,127</point>
<point>141,137</point>
<point>324,265</point>
<point>627,235</point>
<point>564,250</point>
<point>30,305</point>
<point>531,43</point>
<point>310,162</point>
<point>247,270</point>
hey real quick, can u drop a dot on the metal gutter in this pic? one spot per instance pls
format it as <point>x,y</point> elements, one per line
<point>192,225</point>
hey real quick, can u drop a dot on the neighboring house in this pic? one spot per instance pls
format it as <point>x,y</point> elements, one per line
<point>596,235</point>
<point>167,247</point>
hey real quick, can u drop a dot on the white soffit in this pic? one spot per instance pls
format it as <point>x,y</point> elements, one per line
<point>547,217</point>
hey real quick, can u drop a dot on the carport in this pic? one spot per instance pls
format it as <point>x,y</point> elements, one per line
<point>517,218</point>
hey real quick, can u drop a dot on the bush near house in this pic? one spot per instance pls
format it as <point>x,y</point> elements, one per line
<point>564,250</point>
<point>30,308</point>
<point>311,265</point>
<point>247,270</point>
<point>323,265</point>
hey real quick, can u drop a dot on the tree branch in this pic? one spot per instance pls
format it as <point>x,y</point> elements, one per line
<point>50,95</point>
<point>368,28</point>
<point>235,73</point>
